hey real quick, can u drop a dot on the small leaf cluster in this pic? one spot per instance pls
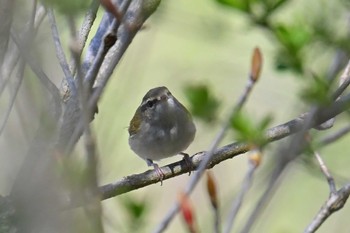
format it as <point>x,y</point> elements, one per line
<point>203,104</point>
<point>316,91</point>
<point>250,131</point>
<point>136,211</point>
<point>69,7</point>
<point>294,41</point>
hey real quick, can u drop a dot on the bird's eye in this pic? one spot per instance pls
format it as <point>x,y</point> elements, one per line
<point>150,103</point>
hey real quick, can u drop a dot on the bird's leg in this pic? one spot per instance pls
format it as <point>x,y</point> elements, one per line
<point>188,161</point>
<point>157,169</point>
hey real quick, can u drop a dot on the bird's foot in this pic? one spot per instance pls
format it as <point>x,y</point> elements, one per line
<point>157,169</point>
<point>188,161</point>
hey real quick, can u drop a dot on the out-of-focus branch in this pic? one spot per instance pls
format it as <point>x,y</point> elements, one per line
<point>254,162</point>
<point>6,14</point>
<point>60,53</point>
<point>17,85</point>
<point>335,202</point>
<point>85,28</point>
<point>12,56</point>
<point>95,213</point>
<point>335,136</point>
<point>46,82</point>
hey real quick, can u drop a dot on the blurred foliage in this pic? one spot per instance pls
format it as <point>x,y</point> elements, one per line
<point>136,212</point>
<point>7,216</point>
<point>203,104</point>
<point>70,7</point>
<point>74,174</point>
<point>294,41</point>
<point>250,131</point>
<point>316,91</point>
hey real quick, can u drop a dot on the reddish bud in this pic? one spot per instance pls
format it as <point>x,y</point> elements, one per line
<point>256,65</point>
<point>187,212</point>
<point>211,188</point>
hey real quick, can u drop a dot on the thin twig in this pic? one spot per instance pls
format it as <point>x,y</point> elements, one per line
<point>236,204</point>
<point>32,19</point>
<point>7,68</point>
<point>13,57</point>
<point>335,136</point>
<point>47,83</point>
<point>39,18</point>
<point>90,144</point>
<point>335,202</point>
<point>263,200</point>
<point>6,17</point>
<point>17,85</point>
<point>84,31</point>
<point>217,221</point>
<point>60,53</point>
<point>344,82</point>
<point>214,201</point>
<point>325,171</point>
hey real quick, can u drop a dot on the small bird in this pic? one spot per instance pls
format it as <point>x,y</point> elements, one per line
<point>161,127</point>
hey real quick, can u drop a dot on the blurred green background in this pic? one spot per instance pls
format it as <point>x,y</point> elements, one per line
<point>201,42</point>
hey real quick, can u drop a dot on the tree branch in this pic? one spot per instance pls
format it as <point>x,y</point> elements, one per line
<point>335,202</point>
<point>149,177</point>
<point>6,14</point>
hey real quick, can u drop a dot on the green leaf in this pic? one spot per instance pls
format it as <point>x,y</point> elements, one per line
<point>136,211</point>
<point>317,91</point>
<point>250,131</point>
<point>242,5</point>
<point>288,60</point>
<point>202,103</point>
<point>293,39</point>
<point>293,36</point>
<point>70,7</point>
<point>272,5</point>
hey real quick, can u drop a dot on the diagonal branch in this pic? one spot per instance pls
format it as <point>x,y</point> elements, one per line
<point>149,177</point>
<point>335,202</point>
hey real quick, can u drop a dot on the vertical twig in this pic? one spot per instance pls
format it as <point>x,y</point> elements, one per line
<point>212,191</point>
<point>84,31</point>
<point>60,53</point>
<point>254,162</point>
<point>325,171</point>
<point>90,144</point>
<point>44,79</point>
<point>335,136</point>
<point>17,85</point>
